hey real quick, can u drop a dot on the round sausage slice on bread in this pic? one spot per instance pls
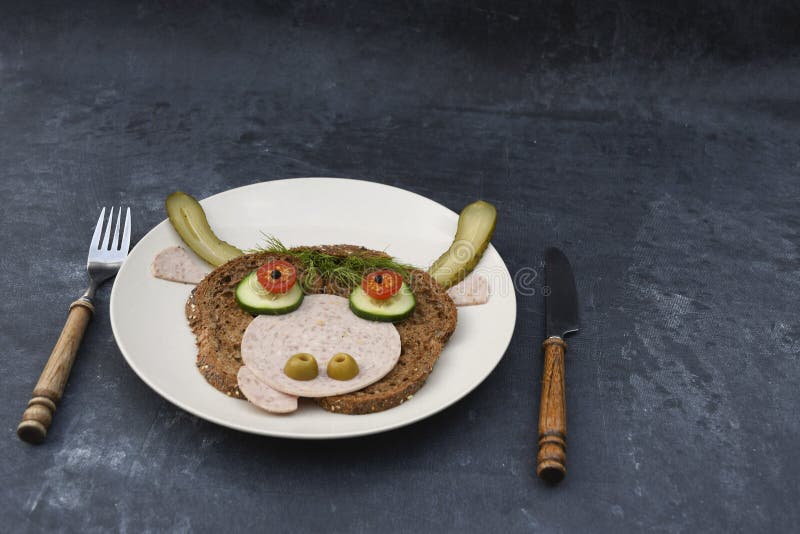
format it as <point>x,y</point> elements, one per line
<point>322,326</point>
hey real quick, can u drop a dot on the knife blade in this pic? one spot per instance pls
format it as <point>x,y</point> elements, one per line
<point>561,318</point>
<point>561,303</point>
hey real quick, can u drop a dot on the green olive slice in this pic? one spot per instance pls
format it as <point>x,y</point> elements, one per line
<point>302,366</point>
<point>342,367</point>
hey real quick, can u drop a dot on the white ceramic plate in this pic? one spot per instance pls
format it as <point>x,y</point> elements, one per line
<point>147,314</point>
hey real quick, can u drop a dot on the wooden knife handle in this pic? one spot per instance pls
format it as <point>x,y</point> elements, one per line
<point>39,414</point>
<point>552,458</point>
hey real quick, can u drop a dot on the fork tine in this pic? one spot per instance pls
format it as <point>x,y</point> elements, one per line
<point>115,242</point>
<point>97,231</point>
<point>126,234</point>
<point>107,233</point>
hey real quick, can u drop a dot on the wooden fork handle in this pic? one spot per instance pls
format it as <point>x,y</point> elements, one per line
<point>551,462</point>
<point>39,414</point>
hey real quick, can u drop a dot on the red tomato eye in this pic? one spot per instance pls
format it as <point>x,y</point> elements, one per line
<point>277,276</point>
<point>381,285</point>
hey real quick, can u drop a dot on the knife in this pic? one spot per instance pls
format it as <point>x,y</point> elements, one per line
<point>561,308</point>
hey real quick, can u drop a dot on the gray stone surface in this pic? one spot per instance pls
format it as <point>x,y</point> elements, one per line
<point>657,146</point>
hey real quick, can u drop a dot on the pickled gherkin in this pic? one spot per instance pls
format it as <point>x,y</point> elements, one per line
<point>189,220</point>
<point>475,228</point>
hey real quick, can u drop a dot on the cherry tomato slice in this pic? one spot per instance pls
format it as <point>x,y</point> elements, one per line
<point>277,276</point>
<point>381,285</point>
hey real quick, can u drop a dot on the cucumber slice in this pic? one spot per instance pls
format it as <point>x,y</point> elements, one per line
<point>475,228</point>
<point>395,308</point>
<point>253,298</point>
<point>189,220</point>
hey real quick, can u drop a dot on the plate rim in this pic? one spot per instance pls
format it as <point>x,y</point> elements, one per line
<point>294,435</point>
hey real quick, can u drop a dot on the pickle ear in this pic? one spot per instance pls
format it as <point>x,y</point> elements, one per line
<point>475,228</point>
<point>189,220</point>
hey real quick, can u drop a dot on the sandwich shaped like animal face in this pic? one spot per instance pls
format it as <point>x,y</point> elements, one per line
<point>323,326</point>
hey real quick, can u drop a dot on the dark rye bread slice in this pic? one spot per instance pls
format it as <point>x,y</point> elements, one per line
<point>219,323</point>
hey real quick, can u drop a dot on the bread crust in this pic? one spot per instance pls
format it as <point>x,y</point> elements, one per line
<point>218,324</point>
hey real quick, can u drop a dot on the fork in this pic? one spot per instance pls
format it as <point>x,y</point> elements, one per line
<point>105,259</point>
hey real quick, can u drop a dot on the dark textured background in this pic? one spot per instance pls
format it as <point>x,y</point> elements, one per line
<point>660,147</point>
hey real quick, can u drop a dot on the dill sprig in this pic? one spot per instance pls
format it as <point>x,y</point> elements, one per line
<point>341,271</point>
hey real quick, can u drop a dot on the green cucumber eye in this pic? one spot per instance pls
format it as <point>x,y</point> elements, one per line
<point>395,308</point>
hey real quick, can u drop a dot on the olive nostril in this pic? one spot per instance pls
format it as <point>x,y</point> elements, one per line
<point>301,366</point>
<point>342,366</point>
